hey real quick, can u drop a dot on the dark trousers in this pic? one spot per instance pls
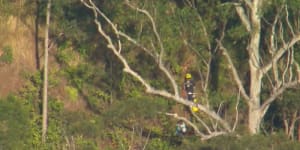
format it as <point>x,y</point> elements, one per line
<point>190,96</point>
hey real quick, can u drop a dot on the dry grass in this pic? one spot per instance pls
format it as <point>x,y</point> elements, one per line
<point>20,38</point>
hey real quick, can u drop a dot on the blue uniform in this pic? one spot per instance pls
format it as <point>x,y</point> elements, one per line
<point>189,89</point>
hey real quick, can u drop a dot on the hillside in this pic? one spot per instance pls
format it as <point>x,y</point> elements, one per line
<point>150,75</point>
<point>20,38</point>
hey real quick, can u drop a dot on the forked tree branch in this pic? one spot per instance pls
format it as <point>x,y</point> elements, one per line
<point>277,54</point>
<point>237,112</point>
<point>202,122</point>
<point>287,20</point>
<point>133,41</point>
<point>244,18</point>
<point>281,51</point>
<point>278,92</point>
<point>198,132</point>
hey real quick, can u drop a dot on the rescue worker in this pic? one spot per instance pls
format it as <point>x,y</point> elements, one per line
<point>189,87</point>
<point>180,128</point>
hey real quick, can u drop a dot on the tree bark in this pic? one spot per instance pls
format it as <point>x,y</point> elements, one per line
<point>254,105</point>
<point>45,84</point>
<point>255,73</point>
<point>290,123</point>
<point>254,117</point>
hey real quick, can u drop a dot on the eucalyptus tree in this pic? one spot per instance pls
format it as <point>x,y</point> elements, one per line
<point>272,42</point>
<point>45,83</point>
<point>264,31</point>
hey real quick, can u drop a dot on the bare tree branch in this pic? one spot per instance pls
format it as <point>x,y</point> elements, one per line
<point>218,112</point>
<point>202,122</point>
<point>244,18</point>
<point>287,20</point>
<point>280,53</point>
<point>198,132</point>
<point>161,55</point>
<point>278,92</point>
<point>147,140</point>
<point>272,51</point>
<point>189,3</point>
<point>215,134</point>
<point>298,70</point>
<point>133,41</point>
<point>287,66</point>
<point>249,4</point>
<point>237,112</point>
<point>292,57</point>
<point>272,44</point>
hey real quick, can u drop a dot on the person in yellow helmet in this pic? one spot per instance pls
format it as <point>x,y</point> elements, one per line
<point>189,87</point>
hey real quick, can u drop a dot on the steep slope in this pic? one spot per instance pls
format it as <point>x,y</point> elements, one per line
<point>20,38</point>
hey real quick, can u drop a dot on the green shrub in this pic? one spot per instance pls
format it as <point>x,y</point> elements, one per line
<point>72,93</point>
<point>15,126</point>
<point>7,56</point>
<point>277,141</point>
<point>135,111</point>
<point>118,138</point>
<point>158,144</point>
<point>80,123</point>
<point>64,55</point>
<point>85,144</point>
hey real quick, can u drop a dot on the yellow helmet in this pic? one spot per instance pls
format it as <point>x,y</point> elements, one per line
<point>195,109</point>
<point>188,76</point>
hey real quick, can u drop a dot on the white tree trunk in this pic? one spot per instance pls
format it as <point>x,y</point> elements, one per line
<point>45,84</point>
<point>289,124</point>
<point>255,73</point>
<point>250,13</point>
<point>255,112</point>
<point>255,117</point>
